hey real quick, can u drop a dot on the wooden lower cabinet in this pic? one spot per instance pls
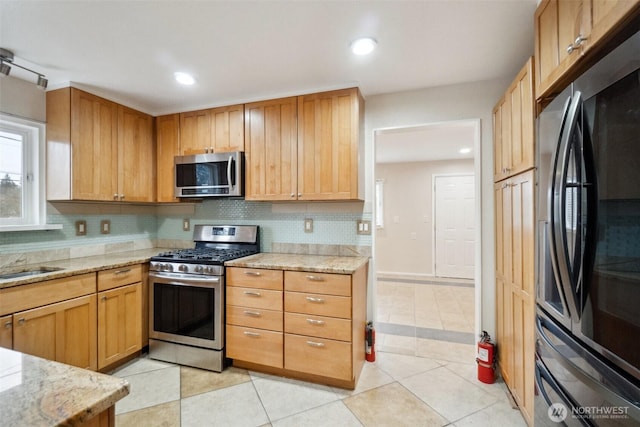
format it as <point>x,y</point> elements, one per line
<point>6,332</point>
<point>303,325</point>
<point>119,323</point>
<point>64,332</point>
<point>253,345</point>
<point>515,293</point>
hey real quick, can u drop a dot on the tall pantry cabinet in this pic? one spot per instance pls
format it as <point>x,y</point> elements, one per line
<point>514,163</point>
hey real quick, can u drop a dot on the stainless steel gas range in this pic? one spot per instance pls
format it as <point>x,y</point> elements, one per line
<point>187,293</point>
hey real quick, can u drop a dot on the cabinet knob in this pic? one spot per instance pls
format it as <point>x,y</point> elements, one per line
<point>122,197</point>
<point>115,196</point>
<point>299,195</point>
<point>293,195</point>
<point>104,298</point>
<point>22,321</point>
<point>7,325</point>
<point>576,44</point>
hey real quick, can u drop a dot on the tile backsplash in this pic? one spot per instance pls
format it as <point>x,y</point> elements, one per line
<point>138,226</point>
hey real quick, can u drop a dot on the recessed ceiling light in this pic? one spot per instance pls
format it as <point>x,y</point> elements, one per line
<point>465,150</point>
<point>184,78</point>
<point>363,46</point>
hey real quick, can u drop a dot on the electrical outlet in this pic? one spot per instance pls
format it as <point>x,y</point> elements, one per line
<point>105,226</point>
<point>81,228</point>
<point>186,224</point>
<point>363,226</point>
<point>308,225</point>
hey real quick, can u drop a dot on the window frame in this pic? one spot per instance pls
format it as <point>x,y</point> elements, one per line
<point>34,215</point>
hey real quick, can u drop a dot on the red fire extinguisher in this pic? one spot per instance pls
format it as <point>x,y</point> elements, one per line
<point>486,359</point>
<point>370,340</point>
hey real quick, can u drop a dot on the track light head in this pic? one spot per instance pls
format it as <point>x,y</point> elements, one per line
<point>42,82</point>
<point>5,69</point>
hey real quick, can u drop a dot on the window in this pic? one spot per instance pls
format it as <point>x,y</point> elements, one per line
<point>22,204</point>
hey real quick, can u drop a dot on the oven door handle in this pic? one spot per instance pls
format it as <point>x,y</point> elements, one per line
<point>185,280</point>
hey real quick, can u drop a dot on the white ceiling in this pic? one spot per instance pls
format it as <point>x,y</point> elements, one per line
<point>430,142</point>
<point>243,51</point>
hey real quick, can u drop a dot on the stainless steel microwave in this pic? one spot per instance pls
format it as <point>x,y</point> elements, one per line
<point>209,175</point>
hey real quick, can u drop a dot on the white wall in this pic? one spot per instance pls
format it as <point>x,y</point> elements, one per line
<point>457,102</point>
<point>22,98</point>
<point>404,244</point>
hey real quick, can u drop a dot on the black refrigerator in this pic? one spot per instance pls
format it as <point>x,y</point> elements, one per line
<point>588,244</point>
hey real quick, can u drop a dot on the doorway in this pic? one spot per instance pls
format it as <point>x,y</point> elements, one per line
<point>422,308</point>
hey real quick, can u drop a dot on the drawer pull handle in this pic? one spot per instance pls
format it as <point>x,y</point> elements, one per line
<point>252,334</point>
<point>315,344</point>
<point>252,313</point>
<point>253,273</point>
<point>315,322</point>
<point>252,293</point>
<point>316,300</point>
<point>315,278</point>
<point>125,271</point>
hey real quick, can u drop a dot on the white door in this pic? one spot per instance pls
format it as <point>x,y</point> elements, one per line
<point>454,205</point>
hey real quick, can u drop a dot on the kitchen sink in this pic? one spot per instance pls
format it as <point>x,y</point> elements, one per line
<point>24,273</point>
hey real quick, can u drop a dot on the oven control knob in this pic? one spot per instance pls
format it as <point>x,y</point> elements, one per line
<point>184,268</point>
<point>210,270</point>
<point>167,267</point>
<point>199,269</point>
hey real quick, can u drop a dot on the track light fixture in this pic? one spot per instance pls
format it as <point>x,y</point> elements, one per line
<point>6,61</point>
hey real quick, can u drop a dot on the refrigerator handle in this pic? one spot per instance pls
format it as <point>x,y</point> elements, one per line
<point>557,205</point>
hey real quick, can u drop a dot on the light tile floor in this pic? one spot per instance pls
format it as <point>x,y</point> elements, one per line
<point>423,376</point>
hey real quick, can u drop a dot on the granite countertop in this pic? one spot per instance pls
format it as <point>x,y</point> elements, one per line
<point>295,262</point>
<point>75,266</point>
<point>39,392</point>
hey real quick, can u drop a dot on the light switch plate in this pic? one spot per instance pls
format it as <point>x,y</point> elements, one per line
<point>105,226</point>
<point>81,228</point>
<point>186,224</point>
<point>308,225</point>
<point>363,226</point>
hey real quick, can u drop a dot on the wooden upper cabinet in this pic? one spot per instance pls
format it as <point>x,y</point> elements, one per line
<point>136,149</point>
<point>195,132</point>
<point>97,149</point>
<point>271,149</point>
<point>227,128</point>
<point>514,137</point>
<point>568,32</point>
<point>215,130</point>
<point>167,147</point>
<point>82,146</point>
<point>329,138</point>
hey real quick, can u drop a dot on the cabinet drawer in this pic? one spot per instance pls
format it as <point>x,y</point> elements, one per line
<point>318,283</point>
<point>109,279</point>
<point>25,297</point>
<point>254,278</point>
<point>254,298</point>
<point>318,326</point>
<point>254,318</point>
<point>318,356</point>
<point>322,305</point>
<point>255,345</point>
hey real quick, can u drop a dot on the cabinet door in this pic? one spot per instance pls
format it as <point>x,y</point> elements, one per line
<point>6,331</point>
<point>607,16</point>
<point>64,332</point>
<point>167,147</point>
<point>195,132</point>
<point>521,154</point>
<point>136,154</point>
<point>227,128</point>
<point>271,150</point>
<point>94,127</point>
<point>502,138</point>
<point>504,279</point>
<point>558,23</point>
<point>119,323</point>
<point>328,142</point>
